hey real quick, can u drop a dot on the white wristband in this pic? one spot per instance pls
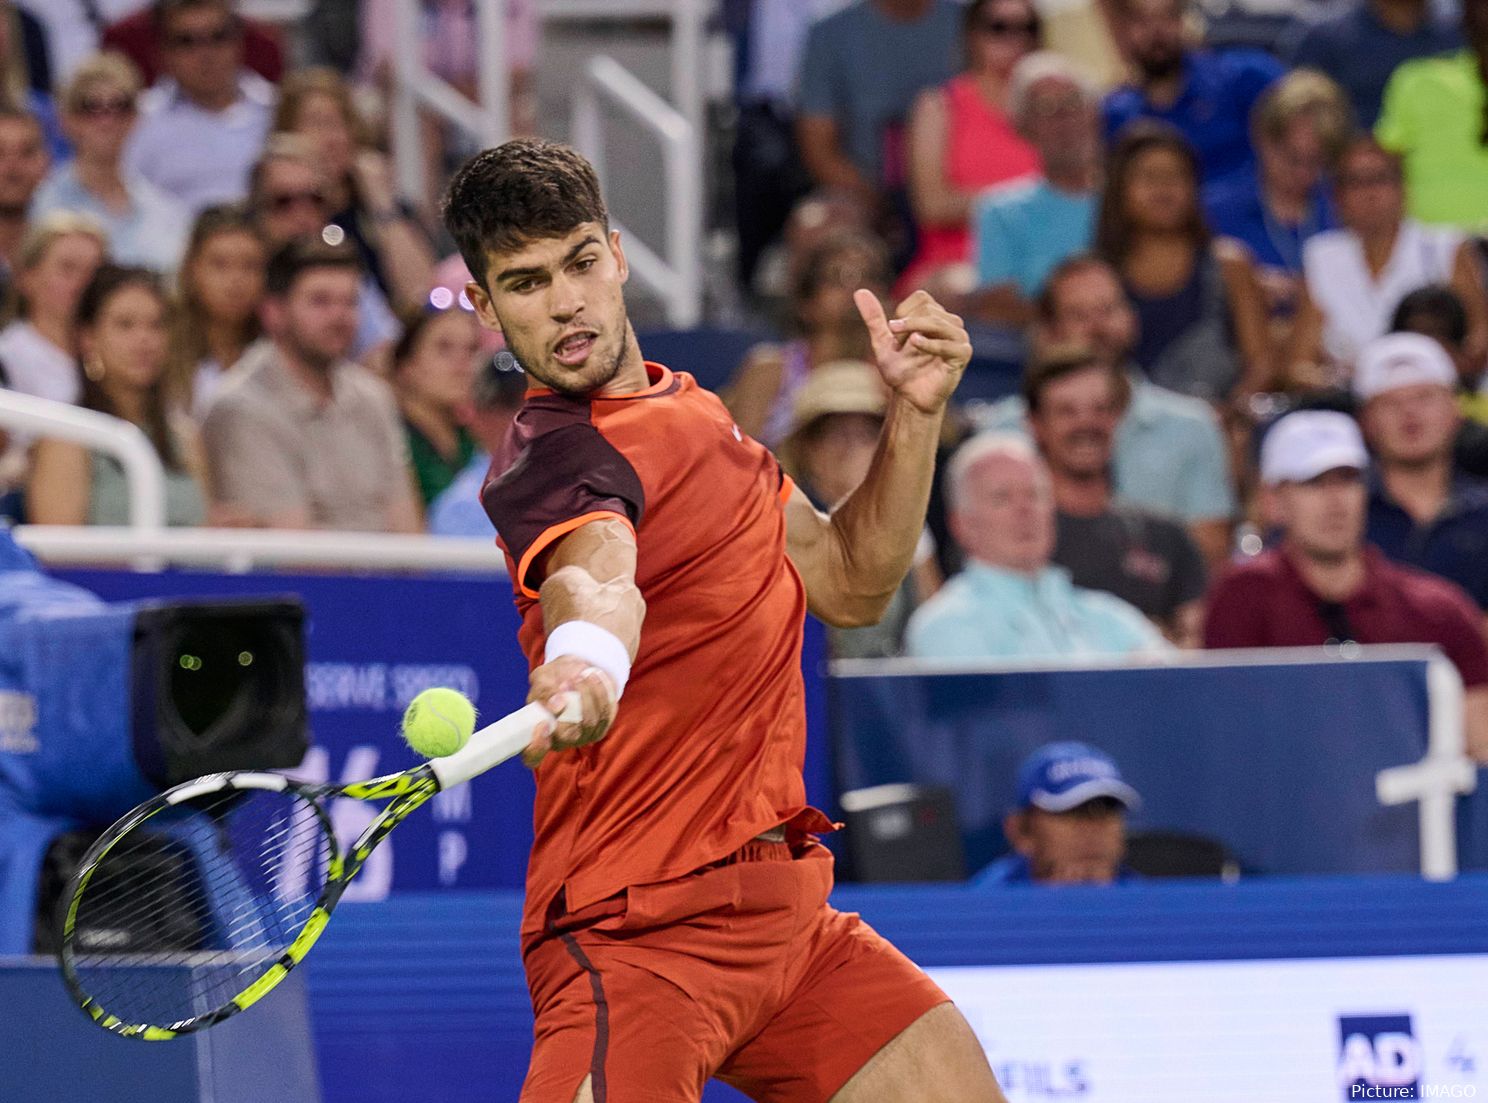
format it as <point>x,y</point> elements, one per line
<point>594,644</point>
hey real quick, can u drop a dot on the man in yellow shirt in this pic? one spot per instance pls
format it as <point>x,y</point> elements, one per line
<point>1435,116</point>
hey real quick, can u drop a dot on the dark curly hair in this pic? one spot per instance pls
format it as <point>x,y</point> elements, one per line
<point>521,191</point>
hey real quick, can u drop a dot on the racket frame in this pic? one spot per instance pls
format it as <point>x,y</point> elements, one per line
<point>406,791</point>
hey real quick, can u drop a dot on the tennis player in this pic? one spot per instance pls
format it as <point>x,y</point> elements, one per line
<point>677,925</point>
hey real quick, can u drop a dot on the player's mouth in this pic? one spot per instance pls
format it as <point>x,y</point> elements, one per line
<point>575,348</point>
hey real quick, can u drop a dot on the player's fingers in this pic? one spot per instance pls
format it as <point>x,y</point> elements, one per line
<point>876,320</point>
<point>950,350</point>
<point>538,748</point>
<point>936,324</point>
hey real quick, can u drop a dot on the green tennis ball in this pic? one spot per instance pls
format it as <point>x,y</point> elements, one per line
<point>438,722</point>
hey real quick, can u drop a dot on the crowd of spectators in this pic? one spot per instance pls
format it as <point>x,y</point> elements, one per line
<point>1217,265</point>
<point>1248,292</point>
<point>207,242</point>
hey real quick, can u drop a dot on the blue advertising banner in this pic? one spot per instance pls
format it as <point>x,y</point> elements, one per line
<point>374,642</point>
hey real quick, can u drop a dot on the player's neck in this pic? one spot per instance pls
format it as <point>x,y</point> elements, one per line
<point>631,377</point>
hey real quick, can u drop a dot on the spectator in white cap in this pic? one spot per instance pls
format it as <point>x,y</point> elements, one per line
<point>1422,511</point>
<point>1324,584</point>
<point>1010,601</point>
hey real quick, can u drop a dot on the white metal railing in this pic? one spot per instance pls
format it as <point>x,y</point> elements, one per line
<point>241,550</point>
<point>143,472</point>
<point>1433,782</point>
<point>678,278</point>
<point>415,86</point>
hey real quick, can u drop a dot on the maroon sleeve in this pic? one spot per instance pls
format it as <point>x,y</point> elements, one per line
<point>1235,613</point>
<point>555,482</point>
<point>1459,630</point>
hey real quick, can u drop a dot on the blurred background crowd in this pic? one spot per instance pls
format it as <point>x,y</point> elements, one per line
<point>1224,278</point>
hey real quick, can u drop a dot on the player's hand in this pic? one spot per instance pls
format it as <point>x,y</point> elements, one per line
<point>921,353</point>
<point>547,686</point>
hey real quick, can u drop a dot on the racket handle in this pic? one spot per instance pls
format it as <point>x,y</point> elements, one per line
<point>495,743</point>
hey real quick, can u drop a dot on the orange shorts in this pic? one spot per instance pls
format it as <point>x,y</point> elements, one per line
<point>740,971</point>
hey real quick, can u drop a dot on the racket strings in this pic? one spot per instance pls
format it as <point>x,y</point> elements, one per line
<point>194,904</point>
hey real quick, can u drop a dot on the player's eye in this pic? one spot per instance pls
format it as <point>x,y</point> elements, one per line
<point>584,264</point>
<point>522,287</point>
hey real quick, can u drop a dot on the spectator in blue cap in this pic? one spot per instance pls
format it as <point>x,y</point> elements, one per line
<point>1069,827</point>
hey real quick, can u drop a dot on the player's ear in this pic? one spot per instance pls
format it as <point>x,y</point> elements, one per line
<point>485,312</point>
<point>619,255</point>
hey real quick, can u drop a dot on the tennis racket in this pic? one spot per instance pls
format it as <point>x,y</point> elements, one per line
<point>196,904</point>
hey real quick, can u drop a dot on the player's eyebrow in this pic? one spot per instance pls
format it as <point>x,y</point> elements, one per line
<point>510,274</point>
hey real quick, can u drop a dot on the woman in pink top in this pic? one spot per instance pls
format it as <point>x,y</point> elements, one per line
<point>961,140</point>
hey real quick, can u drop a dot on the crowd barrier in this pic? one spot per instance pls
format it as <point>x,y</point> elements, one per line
<point>1277,754</point>
<point>1157,993</point>
<point>1288,990</point>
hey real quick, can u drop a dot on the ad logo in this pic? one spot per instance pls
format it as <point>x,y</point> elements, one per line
<point>1378,1057</point>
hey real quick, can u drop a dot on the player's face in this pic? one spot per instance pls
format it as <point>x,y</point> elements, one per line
<point>1412,425</point>
<point>1324,517</point>
<point>1080,847</point>
<point>128,339</point>
<point>317,319</point>
<point>560,302</point>
<point>1076,421</point>
<point>1005,515</point>
<point>1091,309</point>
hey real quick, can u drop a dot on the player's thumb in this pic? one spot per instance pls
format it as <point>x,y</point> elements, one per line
<point>874,318</point>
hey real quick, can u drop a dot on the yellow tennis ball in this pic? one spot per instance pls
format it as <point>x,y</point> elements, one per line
<point>438,722</point>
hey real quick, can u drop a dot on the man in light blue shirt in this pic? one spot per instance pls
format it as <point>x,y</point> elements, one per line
<point>1009,602</point>
<point>201,127</point>
<point>1025,228</point>
<point>1170,456</point>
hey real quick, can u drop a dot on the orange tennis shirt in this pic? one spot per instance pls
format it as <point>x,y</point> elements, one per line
<point>709,740</point>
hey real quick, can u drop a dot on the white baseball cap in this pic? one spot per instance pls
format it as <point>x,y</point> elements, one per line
<point>1401,360</point>
<point>1305,444</point>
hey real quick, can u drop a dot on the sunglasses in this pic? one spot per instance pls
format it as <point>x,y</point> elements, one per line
<point>287,200</point>
<point>96,109</point>
<point>221,36</point>
<point>1003,28</point>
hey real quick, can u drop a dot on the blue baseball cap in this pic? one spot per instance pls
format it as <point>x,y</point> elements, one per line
<point>1060,776</point>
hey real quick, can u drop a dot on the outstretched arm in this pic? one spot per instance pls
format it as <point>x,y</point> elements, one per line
<point>853,561</point>
<point>592,612</point>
